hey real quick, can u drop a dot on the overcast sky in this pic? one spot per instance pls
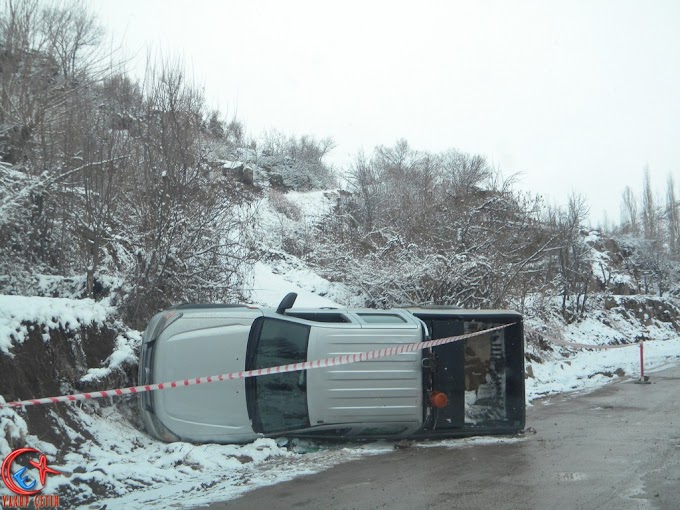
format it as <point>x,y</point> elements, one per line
<point>576,95</point>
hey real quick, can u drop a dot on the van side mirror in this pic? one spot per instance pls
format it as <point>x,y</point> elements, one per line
<point>287,302</point>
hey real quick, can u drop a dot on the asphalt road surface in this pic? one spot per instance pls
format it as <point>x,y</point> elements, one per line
<point>616,448</point>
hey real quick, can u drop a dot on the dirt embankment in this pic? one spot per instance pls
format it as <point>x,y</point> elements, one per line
<point>39,368</point>
<point>646,309</point>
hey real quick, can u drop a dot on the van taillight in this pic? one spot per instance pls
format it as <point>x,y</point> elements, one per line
<point>438,399</point>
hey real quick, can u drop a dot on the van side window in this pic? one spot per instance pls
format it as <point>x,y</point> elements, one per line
<point>319,316</point>
<point>381,318</point>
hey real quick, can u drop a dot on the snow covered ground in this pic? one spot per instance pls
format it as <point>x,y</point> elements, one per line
<point>51,312</point>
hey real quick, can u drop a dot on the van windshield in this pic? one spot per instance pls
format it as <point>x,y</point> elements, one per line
<point>277,402</point>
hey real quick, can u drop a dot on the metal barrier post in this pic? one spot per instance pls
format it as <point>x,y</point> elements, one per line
<point>644,379</point>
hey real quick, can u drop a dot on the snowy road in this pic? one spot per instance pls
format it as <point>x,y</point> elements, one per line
<point>616,448</point>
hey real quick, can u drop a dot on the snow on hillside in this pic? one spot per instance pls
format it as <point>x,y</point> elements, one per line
<point>52,313</point>
<point>136,472</point>
<point>270,286</point>
<point>288,216</point>
<point>578,369</point>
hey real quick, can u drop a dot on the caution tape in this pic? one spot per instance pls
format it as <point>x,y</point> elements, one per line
<point>576,345</point>
<point>307,365</point>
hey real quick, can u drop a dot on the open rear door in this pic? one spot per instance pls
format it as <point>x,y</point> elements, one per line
<point>449,374</point>
<point>483,376</point>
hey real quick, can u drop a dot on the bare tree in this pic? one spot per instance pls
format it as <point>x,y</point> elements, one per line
<point>299,162</point>
<point>107,176</point>
<point>649,213</point>
<point>187,233</point>
<point>365,184</point>
<point>574,268</point>
<point>74,35</point>
<point>629,211</point>
<point>673,219</point>
<point>435,228</point>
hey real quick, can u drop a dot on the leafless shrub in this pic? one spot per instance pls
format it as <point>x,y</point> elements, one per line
<point>109,176</point>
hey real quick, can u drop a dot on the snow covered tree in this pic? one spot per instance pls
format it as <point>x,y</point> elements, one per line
<point>650,217</point>
<point>672,219</point>
<point>573,256</point>
<point>629,211</point>
<point>44,83</point>
<point>425,228</point>
<point>187,235</point>
<point>296,163</point>
<point>104,176</point>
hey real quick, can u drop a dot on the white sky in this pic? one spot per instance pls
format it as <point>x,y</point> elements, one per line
<point>577,95</point>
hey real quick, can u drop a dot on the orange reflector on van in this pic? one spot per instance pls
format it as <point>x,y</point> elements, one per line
<point>438,399</point>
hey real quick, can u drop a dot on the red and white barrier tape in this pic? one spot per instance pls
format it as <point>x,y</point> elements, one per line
<point>319,363</point>
<point>575,345</point>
